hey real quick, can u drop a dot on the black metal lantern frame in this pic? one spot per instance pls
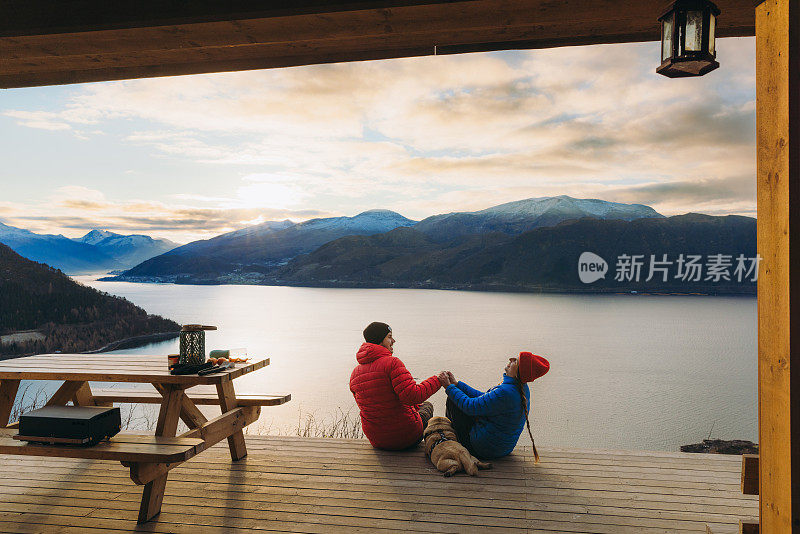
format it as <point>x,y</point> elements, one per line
<point>687,39</point>
<point>193,343</point>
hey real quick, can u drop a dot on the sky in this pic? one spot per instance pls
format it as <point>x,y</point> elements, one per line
<point>190,157</point>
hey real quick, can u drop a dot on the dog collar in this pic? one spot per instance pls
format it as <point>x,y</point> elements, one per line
<point>441,439</point>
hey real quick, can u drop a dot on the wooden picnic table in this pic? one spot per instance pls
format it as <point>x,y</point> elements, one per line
<point>149,457</point>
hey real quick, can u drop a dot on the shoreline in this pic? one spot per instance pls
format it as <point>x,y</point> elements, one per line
<point>489,288</point>
<point>126,343</point>
<point>134,341</point>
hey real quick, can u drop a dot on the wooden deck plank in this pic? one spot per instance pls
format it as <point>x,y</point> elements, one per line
<point>335,475</point>
<point>513,466</point>
<point>317,487</point>
<point>386,509</point>
<point>464,498</point>
<point>242,492</point>
<point>269,480</point>
<point>82,477</point>
<point>275,466</point>
<point>362,446</point>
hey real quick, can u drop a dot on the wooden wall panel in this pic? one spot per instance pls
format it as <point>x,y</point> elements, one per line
<point>778,118</point>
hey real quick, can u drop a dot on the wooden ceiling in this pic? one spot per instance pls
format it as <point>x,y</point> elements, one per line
<point>72,41</point>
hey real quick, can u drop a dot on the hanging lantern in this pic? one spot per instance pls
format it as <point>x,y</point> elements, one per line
<point>687,39</point>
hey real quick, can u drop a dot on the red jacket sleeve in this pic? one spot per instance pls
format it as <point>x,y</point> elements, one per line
<point>409,391</point>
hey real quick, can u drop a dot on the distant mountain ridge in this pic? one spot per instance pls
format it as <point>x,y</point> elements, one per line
<point>523,215</point>
<point>262,247</point>
<point>247,255</point>
<point>98,250</point>
<point>543,259</point>
<point>127,250</point>
<point>55,250</point>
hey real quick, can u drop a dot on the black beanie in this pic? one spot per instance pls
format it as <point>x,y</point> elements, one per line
<point>376,332</point>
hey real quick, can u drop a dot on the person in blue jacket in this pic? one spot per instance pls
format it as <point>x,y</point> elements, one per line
<point>489,423</point>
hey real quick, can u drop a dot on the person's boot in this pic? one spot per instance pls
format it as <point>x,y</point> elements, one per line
<point>425,412</point>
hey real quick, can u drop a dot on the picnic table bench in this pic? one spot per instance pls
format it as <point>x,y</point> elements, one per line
<point>103,397</point>
<point>149,457</point>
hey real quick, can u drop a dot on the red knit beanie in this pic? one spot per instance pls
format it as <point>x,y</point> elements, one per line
<point>531,366</point>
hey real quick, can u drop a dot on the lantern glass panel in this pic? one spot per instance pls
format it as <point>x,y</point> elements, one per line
<point>711,27</point>
<point>666,38</point>
<point>694,31</point>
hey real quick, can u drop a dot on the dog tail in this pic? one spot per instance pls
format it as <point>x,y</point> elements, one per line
<point>483,465</point>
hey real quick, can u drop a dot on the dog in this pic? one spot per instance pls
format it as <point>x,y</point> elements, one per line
<point>445,452</point>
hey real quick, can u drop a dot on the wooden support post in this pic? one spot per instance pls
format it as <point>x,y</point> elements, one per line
<point>83,396</point>
<point>227,400</point>
<point>190,413</point>
<point>778,144</point>
<point>750,474</point>
<point>225,425</point>
<point>142,473</point>
<point>153,494</point>
<point>211,432</point>
<point>8,392</point>
<point>169,414</point>
<point>66,393</point>
<point>152,498</point>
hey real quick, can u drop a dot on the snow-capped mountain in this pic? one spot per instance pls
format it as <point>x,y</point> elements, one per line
<point>95,236</point>
<point>269,226</point>
<point>524,215</point>
<point>96,251</point>
<point>55,250</point>
<point>263,245</point>
<point>10,232</point>
<point>535,207</point>
<point>127,250</point>
<point>263,248</point>
<point>365,223</point>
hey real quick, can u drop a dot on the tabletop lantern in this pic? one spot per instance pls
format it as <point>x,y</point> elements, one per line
<point>193,343</point>
<point>687,39</point>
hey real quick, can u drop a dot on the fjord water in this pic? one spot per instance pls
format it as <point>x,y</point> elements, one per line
<point>627,371</point>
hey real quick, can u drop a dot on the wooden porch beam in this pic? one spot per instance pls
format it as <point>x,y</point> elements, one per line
<point>96,41</point>
<point>778,191</point>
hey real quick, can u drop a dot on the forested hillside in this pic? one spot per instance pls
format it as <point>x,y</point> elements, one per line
<point>547,258</point>
<point>70,316</point>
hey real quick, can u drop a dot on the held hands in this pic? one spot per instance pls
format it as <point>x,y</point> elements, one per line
<point>446,378</point>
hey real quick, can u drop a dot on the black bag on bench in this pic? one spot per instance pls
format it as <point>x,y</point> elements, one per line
<point>69,425</point>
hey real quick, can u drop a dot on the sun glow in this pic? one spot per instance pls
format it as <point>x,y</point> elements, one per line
<point>269,195</point>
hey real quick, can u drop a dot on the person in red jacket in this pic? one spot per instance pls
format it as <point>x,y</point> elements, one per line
<point>392,405</point>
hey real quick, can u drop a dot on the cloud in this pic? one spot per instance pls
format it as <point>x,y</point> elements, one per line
<point>41,120</point>
<point>79,193</point>
<point>438,133</point>
<point>735,188</point>
<point>84,205</point>
<point>733,194</point>
<point>181,223</point>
